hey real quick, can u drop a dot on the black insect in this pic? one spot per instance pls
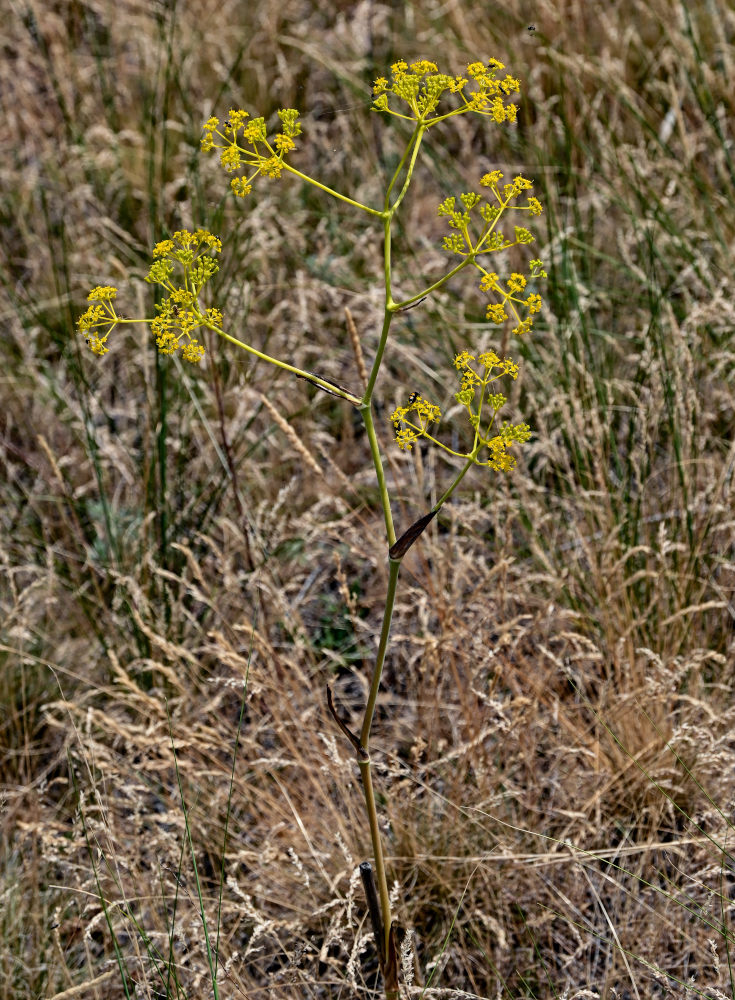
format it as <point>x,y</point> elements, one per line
<point>412,398</point>
<point>532,27</point>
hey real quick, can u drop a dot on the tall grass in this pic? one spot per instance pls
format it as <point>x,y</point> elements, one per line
<point>557,715</point>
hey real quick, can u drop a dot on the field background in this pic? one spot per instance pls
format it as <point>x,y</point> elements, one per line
<point>554,741</point>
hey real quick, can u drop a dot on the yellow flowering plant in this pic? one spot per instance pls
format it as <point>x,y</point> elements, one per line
<point>184,263</point>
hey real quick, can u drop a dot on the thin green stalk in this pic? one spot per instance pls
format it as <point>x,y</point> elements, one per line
<point>390,599</point>
<point>366,412</point>
<point>465,469</point>
<point>330,387</point>
<point>211,959</point>
<point>435,287</point>
<point>387,216</point>
<point>380,350</point>
<point>335,390</point>
<point>414,144</point>
<point>372,813</point>
<point>332,192</point>
<point>365,770</point>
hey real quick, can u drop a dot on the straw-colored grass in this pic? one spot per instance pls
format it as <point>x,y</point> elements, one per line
<point>554,742</point>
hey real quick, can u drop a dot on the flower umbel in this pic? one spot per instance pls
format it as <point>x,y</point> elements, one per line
<point>485,238</point>
<point>491,443</point>
<point>421,86</point>
<point>477,374</point>
<point>100,316</point>
<point>244,144</point>
<point>410,428</point>
<point>186,257</point>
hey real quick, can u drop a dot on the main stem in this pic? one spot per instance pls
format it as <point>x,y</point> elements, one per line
<point>388,957</point>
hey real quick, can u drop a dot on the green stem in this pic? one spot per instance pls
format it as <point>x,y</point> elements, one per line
<point>394,564</point>
<point>372,812</point>
<point>367,419</point>
<point>390,599</point>
<point>387,216</point>
<point>322,383</point>
<point>436,286</point>
<point>365,772</point>
<point>417,132</point>
<point>467,466</point>
<point>413,146</point>
<point>332,192</point>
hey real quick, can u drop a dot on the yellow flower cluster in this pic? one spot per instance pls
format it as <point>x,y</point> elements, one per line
<point>488,239</point>
<point>99,316</point>
<point>410,429</point>
<point>180,313</point>
<point>421,87</point>
<point>476,399</point>
<point>411,422</point>
<point>244,143</point>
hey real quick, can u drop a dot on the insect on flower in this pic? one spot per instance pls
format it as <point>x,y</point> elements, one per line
<point>413,397</point>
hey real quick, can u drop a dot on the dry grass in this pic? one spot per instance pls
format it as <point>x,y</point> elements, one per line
<point>554,739</point>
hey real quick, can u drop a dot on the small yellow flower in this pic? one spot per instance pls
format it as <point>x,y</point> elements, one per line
<point>91,318</point>
<point>423,67</point>
<point>496,313</point>
<point>406,439</point>
<point>230,159</point>
<point>102,293</point>
<point>489,281</point>
<point>271,167</point>
<point>255,131</point>
<point>497,111</point>
<point>523,235</point>
<point>463,359</point>
<point>193,352</point>
<point>97,344</point>
<point>240,186</point>
<point>488,359</point>
<point>523,327</point>
<point>162,248</point>
<point>491,179</point>
<point>516,282</point>
<point>101,314</point>
<point>477,69</point>
<point>237,118</point>
<point>284,143</point>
